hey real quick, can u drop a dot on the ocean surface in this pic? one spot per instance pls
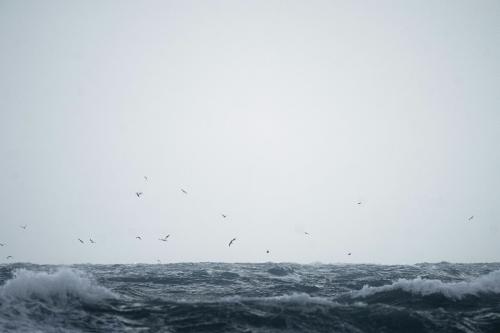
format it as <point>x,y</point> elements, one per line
<point>268,297</point>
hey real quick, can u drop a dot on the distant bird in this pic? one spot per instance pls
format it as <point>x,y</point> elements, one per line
<point>305,232</point>
<point>23,226</point>
<point>2,244</point>
<point>231,242</point>
<point>92,241</point>
<point>349,254</point>
<point>267,251</point>
<point>184,191</point>
<point>470,218</point>
<point>138,194</point>
<point>80,240</point>
<point>224,216</point>
<point>138,237</point>
<point>10,257</point>
<point>164,239</point>
<point>145,178</point>
<point>359,202</point>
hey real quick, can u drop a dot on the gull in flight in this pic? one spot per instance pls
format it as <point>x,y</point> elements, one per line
<point>349,254</point>
<point>470,218</point>
<point>23,226</point>
<point>359,202</point>
<point>138,194</point>
<point>305,232</point>
<point>224,216</point>
<point>145,178</point>
<point>164,239</point>
<point>80,240</point>
<point>184,191</point>
<point>92,241</point>
<point>2,244</point>
<point>267,251</point>
<point>138,237</point>
<point>231,242</point>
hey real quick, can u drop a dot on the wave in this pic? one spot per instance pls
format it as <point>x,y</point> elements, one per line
<point>489,283</point>
<point>61,285</point>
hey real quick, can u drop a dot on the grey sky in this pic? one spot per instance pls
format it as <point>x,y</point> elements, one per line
<point>280,114</point>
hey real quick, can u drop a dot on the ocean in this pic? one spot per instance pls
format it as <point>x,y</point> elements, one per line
<point>267,297</point>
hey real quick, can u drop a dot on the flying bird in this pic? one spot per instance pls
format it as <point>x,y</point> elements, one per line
<point>145,178</point>
<point>470,218</point>
<point>231,242</point>
<point>138,237</point>
<point>349,254</point>
<point>80,240</point>
<point>92,241</point>
<point>164,239</point>
<point>138,194</point>
<point>23,226</point>
<point>184,191</point>
<point>267,251</point>
<point>359,202</point>
<point>10,257</point>
<point>224,216</point>
<point>305,232</point>
<point>2,244</point>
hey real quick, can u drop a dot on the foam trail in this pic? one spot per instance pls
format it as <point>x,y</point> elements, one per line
<point>489,283</point>
<point>60,285</point>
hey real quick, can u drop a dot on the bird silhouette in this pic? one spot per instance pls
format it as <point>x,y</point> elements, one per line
<point>2,244</point>
<point>138,194</point>
<point>23,226</point>
<point>80,240</point>
<point>138,237</point>
<point>224,216</point>
<point>164,239</point>
<point>470,218</point>
<point>184,191</point>
<point>92,241</point>
<point>231,242</point>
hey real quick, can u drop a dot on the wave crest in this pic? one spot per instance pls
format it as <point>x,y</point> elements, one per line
<point>61,285</point>
<point>489,283</point>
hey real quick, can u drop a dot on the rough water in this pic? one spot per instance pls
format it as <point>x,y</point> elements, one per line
<point>211,297</point>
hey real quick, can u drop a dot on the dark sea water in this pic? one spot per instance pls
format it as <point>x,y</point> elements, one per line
<point>211,297</point>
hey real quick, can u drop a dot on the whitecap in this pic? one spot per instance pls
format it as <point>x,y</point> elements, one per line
<point>489,283</point>
<point>61,285</point>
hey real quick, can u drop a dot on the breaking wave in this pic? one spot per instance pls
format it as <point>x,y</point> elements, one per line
<point>61,285</point>
<point>489,283</point>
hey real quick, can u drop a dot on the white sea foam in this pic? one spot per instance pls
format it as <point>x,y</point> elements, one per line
<point>60,285</point>
<point>489,283</point>
<point>295,298</point>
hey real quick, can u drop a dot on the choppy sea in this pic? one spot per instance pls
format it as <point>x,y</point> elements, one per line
<point>267,297</point>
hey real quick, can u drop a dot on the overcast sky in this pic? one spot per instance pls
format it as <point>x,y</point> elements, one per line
<point>283,115</point>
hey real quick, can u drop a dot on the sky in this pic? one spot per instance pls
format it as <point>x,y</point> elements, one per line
<point>282,115</point>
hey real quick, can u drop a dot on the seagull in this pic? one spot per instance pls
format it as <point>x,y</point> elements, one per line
<point>10,257</point>
<point>224,216</point>
<point>80,240</point>
<point>164,239</point>
<point>23,226</point>
<point>305,232</point>
<point>184,191</point>
<point>2,244</point>
<point>138,194</point>
<point>231,242</point>
<point>138,237</point>
<point>92,241</point>
<point>470,218</point>
<point>145,178</point>
<point>359,202</point>
<point>349,254</point>
<point>267,251</point>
